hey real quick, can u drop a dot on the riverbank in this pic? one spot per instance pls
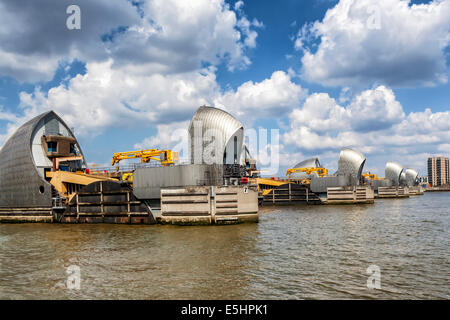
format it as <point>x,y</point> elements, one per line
<point>437,189</point>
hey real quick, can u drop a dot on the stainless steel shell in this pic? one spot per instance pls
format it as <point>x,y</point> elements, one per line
<point>393,172</point>
<point>351,162</point>
<point>308,163</point>
<point>411,177</point>
<point>222,125</point>
<point>21,185</point>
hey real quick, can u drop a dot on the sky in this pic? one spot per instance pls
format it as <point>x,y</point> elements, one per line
<point>324,74</point>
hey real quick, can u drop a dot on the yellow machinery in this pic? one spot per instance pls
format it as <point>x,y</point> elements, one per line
<point>128,177</point>
<point>321,172</point>
<point>266,185</point>
<point>371,176</point>
<point>166,157</point>
<point>68,183</point>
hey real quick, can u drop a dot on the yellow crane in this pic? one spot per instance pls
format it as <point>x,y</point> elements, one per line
<point>321,172</point>
<point>371,176</point>
<point>165,157</point>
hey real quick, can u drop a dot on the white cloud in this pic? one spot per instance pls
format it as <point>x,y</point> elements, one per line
<point>321,113</point>
<point>173,136</point>
<point>371,110</point>
<point>272,97</point>
<point>322,124</point>
<point>148,72</point>
<point>388,42</point>
<point>238,5</point>
<point>154,72</point>
<point>178,36</point>
<point>168,135</point>
<point>163,102</point>
<point>375,109</point>
<point>14,121</point>
<point>345,94</point>
<point>170,37</point>
<point>34,37</point>
<point>445,148</point>
<point>426,121</point>
<point>105,97</point>
<point>245,25</point>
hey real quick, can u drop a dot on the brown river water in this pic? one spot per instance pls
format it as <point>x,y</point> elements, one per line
<point>303,252</point>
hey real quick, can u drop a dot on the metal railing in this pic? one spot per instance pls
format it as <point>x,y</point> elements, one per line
<point>129,167</point>
<point>59,202</point>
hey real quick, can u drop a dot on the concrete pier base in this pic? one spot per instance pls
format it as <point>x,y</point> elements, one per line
<point>392,192</point>
<point>109,202</point>
<point>350,195</point>
<point>203,205</point>
<point>23,215</point>
<point>416,191</point>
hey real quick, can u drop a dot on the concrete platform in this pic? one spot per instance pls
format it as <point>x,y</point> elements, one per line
<point>25,215</point>
<point>205,205</point>
<point>350,195</point>
<point>416,191</point>
<point>392,192</point>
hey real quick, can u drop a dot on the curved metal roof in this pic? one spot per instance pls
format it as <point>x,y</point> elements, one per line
<point>402,179</point>
<point>211,118</point>
<point>393,172</point>
<point>20,183</point>
<point>351,162</point>
<point>309,163</point>
<point>214,118</point>
<point>411,177</point>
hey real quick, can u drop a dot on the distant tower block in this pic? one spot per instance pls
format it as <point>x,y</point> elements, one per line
<point>438,171</point>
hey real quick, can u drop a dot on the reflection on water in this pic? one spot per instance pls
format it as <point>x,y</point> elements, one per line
<point>318,252</point>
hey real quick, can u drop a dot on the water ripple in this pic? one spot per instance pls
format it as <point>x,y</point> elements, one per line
<point>305,252</point>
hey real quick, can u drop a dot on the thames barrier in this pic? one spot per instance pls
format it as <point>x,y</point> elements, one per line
<point>45,178</point>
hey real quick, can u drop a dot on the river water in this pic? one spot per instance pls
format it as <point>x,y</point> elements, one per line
<point>303,252</point>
